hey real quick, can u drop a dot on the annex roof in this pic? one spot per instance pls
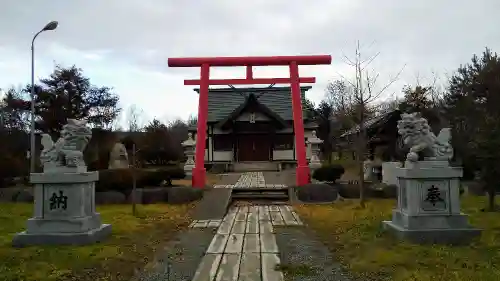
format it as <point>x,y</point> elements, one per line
<point>375,121</point>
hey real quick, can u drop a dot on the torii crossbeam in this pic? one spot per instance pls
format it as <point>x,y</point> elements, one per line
<point>199,173</point>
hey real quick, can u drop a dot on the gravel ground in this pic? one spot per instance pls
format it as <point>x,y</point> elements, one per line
<point>181,257</point>
<point>207,210</point>
<point>298,250</point>
<point>229,178</point>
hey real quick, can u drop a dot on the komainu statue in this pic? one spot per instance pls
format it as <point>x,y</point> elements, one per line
<point>67,151</point>
<point>418,136</point>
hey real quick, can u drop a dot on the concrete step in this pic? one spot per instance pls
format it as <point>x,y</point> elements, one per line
<point>260,196</point>
<point>265,194</point>
<point>255,166</point>
<point>258,189</point>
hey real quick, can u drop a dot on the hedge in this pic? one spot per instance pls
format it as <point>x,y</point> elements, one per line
<point>328,173</point>
<point>122,179</point>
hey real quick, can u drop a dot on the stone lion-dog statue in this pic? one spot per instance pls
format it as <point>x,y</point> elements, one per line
<point>418,136</point>
<point>67,151</point>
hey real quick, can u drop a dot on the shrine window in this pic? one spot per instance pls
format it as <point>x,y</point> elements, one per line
<point>223,142</point>
<point>283,142</point>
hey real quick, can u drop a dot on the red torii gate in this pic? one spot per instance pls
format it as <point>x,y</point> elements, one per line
<point>294,80</point>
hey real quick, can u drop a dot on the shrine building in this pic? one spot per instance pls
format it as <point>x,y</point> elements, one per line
<point>252,125</point>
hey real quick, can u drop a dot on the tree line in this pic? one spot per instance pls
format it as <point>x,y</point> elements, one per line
<point>468,103</point>
<point>68,93</point>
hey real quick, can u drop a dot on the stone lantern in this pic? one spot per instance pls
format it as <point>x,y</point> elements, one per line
<point>314,143</point>
<point>189,146</point>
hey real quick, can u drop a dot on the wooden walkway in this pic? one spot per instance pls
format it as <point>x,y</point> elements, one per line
<point>244,247</point>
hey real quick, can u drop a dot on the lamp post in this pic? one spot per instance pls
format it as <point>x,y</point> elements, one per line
<point>50,26</point>
<point>134,180</point>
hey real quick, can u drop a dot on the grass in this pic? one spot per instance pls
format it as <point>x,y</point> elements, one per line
<point>355,236</point>
<point>131,246</point>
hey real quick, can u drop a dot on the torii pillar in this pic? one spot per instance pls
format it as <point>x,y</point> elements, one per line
<point>199,173</point>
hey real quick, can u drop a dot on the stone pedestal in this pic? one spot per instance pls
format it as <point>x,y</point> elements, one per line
<point>389,172</point>
<point>428,208</point>
<point>189,146</point>
<point>314,142</point>
<point>64,211</point>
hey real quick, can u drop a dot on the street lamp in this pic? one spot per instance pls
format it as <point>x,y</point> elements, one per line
<point>49,26</point>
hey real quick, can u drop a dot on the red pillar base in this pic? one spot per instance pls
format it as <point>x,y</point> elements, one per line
<point>199,175</point>
<point>303,176</point>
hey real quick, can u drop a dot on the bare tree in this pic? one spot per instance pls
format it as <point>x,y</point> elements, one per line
<point>134,118</point>
<point>389,104</point>
<point>116,125</point>
<point>365,92</point>
<point>435,87</point>
<point>339,95</point>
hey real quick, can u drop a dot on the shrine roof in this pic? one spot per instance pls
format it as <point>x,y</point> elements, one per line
<point>223,101</point>
<point>251,101</point>
<point>374,122</point>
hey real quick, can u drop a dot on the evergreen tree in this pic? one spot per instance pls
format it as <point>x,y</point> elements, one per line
<point>159,145</point>
<point>417,99</point>
<point>472,107</point>
<point>67,93</point>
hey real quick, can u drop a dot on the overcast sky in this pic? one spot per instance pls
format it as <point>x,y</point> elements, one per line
<point>125,44</point>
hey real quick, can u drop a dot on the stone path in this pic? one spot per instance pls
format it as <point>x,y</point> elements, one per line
<point>244,247</point>
<point>251,180</point>
<point>267,186</point>
<point>247,244</point>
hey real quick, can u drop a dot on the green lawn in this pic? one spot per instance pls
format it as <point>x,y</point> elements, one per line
<point>131,247</point>
<point>355,237</point>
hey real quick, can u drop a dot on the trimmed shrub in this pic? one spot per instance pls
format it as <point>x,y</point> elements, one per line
<point>170,173</point>
<point>116,179</point>
<point>11,168</point>
<point>122,179</point>
<point>157,177</point>
<point>328,173</point>
<point>154,195</point>
<point>150,178</point>
<point>110,197</point>
<point>316,193</point>
<point>382,190</point>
